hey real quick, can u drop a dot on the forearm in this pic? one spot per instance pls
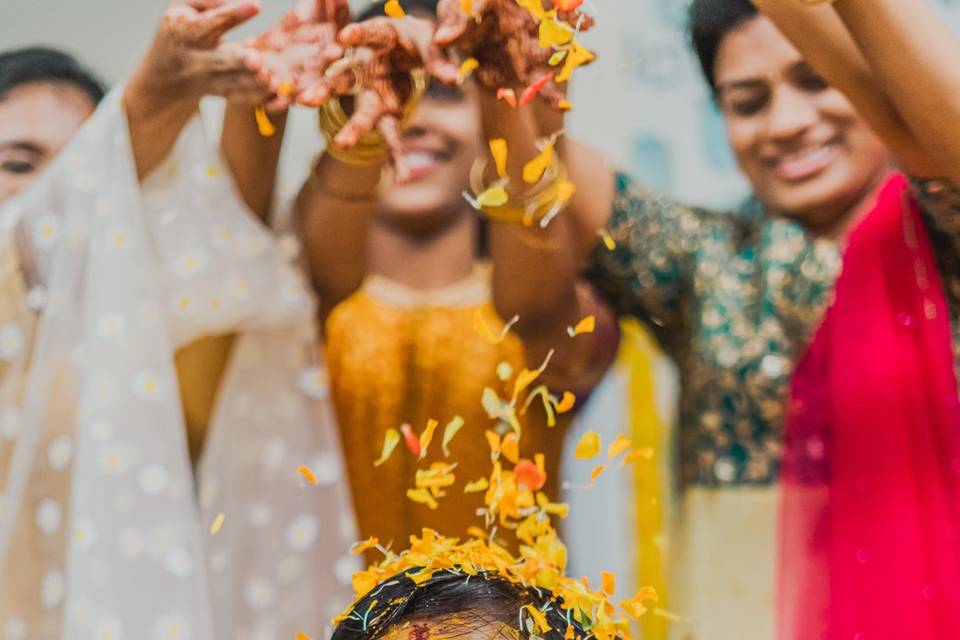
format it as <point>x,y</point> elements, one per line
<point>823,39</point>
<point>334,211</point>
<point>154,122</point>
<point>913,57</point>
<point>252,157</point>
<point>534,267</point>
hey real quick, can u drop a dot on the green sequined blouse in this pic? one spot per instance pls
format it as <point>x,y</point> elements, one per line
<point>734,297</point>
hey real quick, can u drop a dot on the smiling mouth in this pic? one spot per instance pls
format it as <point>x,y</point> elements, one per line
<point>421,162</point>
<point>806,162</point>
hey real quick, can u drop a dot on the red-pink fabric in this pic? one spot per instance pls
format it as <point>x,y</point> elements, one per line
<point>870,512</point>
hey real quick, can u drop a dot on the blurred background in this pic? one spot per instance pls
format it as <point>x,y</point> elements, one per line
<point>643,103</point>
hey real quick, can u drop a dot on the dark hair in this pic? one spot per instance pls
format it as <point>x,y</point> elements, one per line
<point>46,66</point>
<point>416,7</point>
<point>709,23</point>
<point>482,599</point>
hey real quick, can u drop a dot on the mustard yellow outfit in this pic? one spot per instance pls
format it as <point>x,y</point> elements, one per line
<point>397,355</point>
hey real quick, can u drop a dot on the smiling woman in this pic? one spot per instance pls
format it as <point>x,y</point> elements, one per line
<point>45,96</point>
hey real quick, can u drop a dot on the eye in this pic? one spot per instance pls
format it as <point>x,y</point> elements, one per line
<point>812,82</point>
<point>443,92</point>
<point>747,106</point>
<point>18,167</point>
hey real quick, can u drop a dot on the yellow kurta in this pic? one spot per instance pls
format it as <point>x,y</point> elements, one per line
<point>401,356</point>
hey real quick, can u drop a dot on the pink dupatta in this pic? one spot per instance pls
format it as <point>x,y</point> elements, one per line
<point>870,511</point>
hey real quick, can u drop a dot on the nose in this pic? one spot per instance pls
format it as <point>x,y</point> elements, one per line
<point>791,114</point>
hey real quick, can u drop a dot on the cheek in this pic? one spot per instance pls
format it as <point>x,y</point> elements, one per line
<point>743,138</point>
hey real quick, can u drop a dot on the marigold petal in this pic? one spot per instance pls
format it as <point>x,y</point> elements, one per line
<point>390,441</point>
<point>588,445</point>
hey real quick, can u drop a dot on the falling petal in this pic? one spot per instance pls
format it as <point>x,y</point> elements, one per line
<point>264,126</point>
<point>504,371</point>
<point>360,547</point>
<point>300,635</point>
<point>498,148</point>
<point>531,476</point>
<point>217,524</point>
<point>449,432</point>
<point>567,402</point>
<point>587,325</point>
<point>646,453</point>
<point>507,95</point>
<point>554,33</point>
<point>557,57</point>
<point>469,66</point>
<point>410,439</point>
<point>588,446</point>
<point>495,196</point>
<point>427,436</point>
<point>307,474</point>
<point>634,606</point>
<point>533,170</point>
<point>393,9</point>
<point>608,582</point>
<point>597,472</point>
<point>608,240</point>
<point>534,90</point>
<point>484,329</point>
<point>390,441</point>
<point>477,486</point>
<point>422,496</point>
<point>618,446</point>
<point>510,447</point>
<point>539,619</point>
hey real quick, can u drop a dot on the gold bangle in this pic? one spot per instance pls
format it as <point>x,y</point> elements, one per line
<point>540,204</point>
<point>370,147</point>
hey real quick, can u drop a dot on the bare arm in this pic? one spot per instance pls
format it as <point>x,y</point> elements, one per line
<point>914,58</point>
<point>333,213</point>
<point>827,44</point>
<point>253,158</point>
<point>185,62</point>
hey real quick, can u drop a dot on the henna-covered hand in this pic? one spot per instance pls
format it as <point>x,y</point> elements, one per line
<point>503,36</point>
<point>292,57</point>
<point>387,50</point>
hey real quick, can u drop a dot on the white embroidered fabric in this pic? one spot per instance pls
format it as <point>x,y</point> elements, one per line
<point>104,532</point>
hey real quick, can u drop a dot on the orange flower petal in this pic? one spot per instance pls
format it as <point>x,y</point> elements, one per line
<point>618,446</point>
<point>307,474</point>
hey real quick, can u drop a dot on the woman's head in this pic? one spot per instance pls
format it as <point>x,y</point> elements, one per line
<point>45,96</point>
<point>805,150</point>
<point>452,604</point>
<point>441,141</point>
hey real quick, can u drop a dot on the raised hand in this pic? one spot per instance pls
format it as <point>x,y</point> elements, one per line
<point>386,50</point>
<point>188,58</point>
<point>292,58</point>
<point>503,36</point>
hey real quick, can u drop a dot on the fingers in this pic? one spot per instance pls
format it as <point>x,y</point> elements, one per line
<point>389,128</point>
<point>204,29</point>
<point>369,109</point>
<point>452,22</point>
<point>377,33</point>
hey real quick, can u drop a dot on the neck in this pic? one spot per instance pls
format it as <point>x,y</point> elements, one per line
<point>433,260</point>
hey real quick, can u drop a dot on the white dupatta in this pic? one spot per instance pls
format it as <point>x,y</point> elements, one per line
<point>103,533</point>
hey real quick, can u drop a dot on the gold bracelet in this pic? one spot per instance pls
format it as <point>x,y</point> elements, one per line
<point>540,204</point>
<point>370,147</point>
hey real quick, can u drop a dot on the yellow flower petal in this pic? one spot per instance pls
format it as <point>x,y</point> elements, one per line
<point>510,447</point>
<point>393,9</point>
<point>477,486</point>
<point>264,126</point>
<point>422,496</point>
<point>597,471</point>
<point>390,441</point>
<point>217,524</point>
<point>360,547</point>
<point>307,474</point>
<point>618,446</point>
<point>586,325</point>
<point>449,432</point>
<point>533,170</point>
<point>427,436</point>
<point>608,582</point>
<point>588,446</point>
<point>553,33</point>
<point>495,196</point>
<point>567,402</point>
<point>498,149</point>
<point>469,66</point>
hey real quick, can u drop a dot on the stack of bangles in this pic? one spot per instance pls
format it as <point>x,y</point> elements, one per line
<point>540,204</point>
<point>370,147</point>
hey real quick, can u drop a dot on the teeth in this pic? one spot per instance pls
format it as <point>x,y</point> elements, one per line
<point>805,154</point>
<point>419,159</point>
